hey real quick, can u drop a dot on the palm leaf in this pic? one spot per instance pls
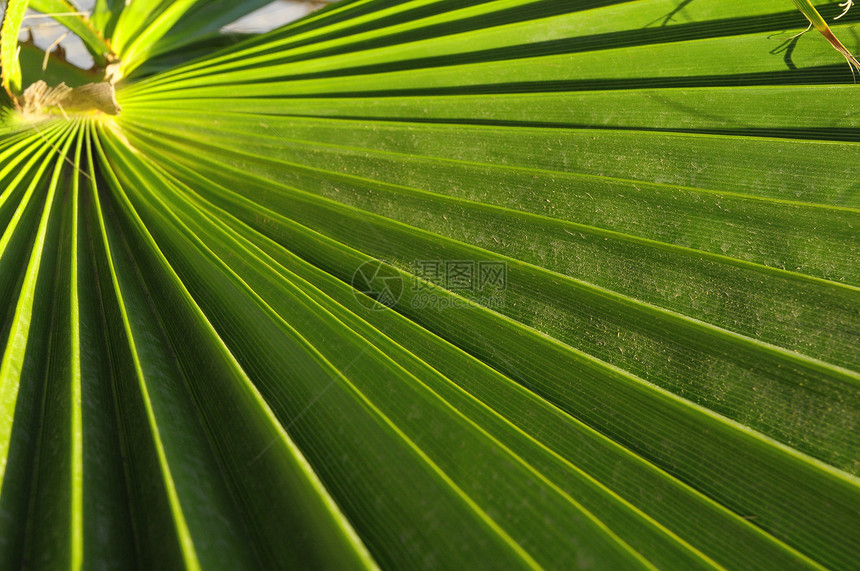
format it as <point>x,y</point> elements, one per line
<point>508,283</point>
<point>13,17</point>
<point>67,14</point>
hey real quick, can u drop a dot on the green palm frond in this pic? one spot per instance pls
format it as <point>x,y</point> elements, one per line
<point>67,14</point>
<point>432,284</point>
<point>13,17</point>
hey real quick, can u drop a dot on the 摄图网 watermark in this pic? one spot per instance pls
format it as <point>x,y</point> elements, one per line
<point>432,284</point>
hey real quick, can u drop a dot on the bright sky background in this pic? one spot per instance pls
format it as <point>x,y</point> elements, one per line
<point>45,31</point>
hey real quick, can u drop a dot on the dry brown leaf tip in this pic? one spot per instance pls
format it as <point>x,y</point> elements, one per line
<point>40,98</point>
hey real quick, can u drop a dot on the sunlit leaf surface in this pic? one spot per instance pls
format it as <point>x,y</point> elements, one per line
<point>439,284</point>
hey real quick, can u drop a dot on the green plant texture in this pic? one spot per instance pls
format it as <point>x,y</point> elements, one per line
<point>442,284</point>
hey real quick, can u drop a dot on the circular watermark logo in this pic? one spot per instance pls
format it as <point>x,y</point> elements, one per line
<point>376,286</point>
